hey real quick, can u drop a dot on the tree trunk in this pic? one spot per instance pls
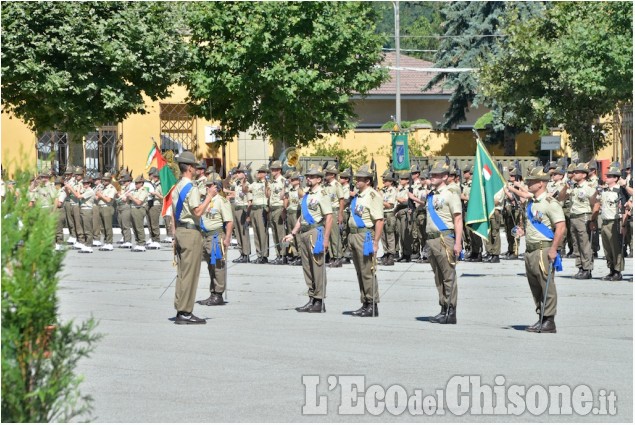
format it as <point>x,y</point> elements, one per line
<point>76,149</point>
<point>509,141</point>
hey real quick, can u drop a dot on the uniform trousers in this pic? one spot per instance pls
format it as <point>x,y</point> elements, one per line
<point>443,262</point>
<point>312,265</point>
<point>365,267</point>
<point>189,248</point>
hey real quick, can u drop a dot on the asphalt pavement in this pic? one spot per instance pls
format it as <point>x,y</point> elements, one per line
<point>252,359</point>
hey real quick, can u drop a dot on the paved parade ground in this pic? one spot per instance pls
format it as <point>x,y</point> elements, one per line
<point>248,362</point>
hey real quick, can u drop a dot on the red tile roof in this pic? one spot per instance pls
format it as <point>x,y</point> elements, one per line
<point>411,81</point>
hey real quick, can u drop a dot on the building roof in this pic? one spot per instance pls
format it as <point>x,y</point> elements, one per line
<point>411,81</point>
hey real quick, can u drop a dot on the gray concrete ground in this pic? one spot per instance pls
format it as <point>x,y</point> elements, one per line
<point>247,363</point>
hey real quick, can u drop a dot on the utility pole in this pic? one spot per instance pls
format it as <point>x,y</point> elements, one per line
<point>395,5</point>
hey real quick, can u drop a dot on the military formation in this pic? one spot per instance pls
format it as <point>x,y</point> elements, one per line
<point>325,217</point>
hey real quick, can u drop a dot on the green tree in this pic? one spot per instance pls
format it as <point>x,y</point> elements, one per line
<point>346,157</point>
<point>471,33</point>
<point>39,352</point>
<point>570,67</point>
<point>72,66</point>
<point>286,69</point>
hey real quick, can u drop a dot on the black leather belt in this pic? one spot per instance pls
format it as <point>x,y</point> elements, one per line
<point>257,207</point>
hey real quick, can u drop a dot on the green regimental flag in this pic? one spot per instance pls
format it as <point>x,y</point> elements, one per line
<point>400,157</point>
<point>487,183</point>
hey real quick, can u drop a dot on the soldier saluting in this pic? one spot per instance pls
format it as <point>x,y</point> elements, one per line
<point>544,230</point>
<point>444,230</point>
<point>313,229</point>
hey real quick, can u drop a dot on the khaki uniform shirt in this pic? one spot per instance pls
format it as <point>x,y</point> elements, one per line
<point>547,211</point>
<point>293,195</point>
<point>389,196</point>
<point>61,196</point>
<point>610,200</point>
<point>581,198</point>
<point>369,207</point>
<point>141,195</point>
<point>218,212</point>
<point>257,192</point>
<point>446,203</point>
<point>200,182</point>
<point>240,198</point>
<point>556,188</point>
<point>420,192</point>
<point>335,193</point>
<point>78,187</point>
<point>110,192</point>
<point>276,189</point>
<point>402,192</point>
<point>88,199</point>
<point>45,195</point>
<point>593,181</point>
<point>192,200</point>
<point>454,187</point>
<point>158,189</point>
<point>318,204</point>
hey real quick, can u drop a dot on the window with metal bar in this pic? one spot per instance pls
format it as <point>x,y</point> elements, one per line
<point>178,128</point>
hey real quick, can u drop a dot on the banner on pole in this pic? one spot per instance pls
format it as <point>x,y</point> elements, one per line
<point>400,156</point>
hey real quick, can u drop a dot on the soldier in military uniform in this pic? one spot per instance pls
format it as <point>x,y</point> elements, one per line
<point>611,201</point>
<point>257,213</point>
<point>241,215</point>
<point>389,235</point>
<point>543,232</point>
<point>187,211</point>
<point>417,229</point>
<point>418,197</point>
<point>105,199</point>
<point>566,207</point>
<point>277,212</point>
<point>155,205</point>
<point>98,186</point>
<point>85,198</point>
<point>138,200</point>
<point>493,244</point>
<point>60,197</point>
<point>583,199</point>
<point>200,176</point>
<point>594,181</point>
<point>472,240</point>
<point>555,185</point>
<point>292,205</point>
<point>336,195</point>
<point>345,181</point>
<point>43,193</point>
<point>444,232</point>
<point>69,179</point>
<point>75,186</point>
<point>366,225</point>
<point>453,183</point>
<point>216,240</point>
<point>124,213</point>
<point>313,229</point>
<point>403,216</point>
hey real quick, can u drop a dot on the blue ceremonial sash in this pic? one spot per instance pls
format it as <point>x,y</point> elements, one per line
<point>433,214</point>
<point>179,204</point>
<point>305,211</point>
<point>358,220</point>
<point>318,248</point>
<point>545,231</point>
<point>369,248</point>
<point>215,252</point>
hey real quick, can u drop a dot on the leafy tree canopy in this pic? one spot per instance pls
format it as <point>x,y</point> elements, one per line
<point>286,69</point>
<point>72,66</point>
<point>471,31</point>
<point>569,67</point>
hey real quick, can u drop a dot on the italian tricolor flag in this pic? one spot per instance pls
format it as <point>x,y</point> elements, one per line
<point>166,176</point>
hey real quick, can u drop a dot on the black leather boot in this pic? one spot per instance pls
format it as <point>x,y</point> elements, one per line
<point>306,306</point>
<point>548,325</point>
<point>359,310</point>
<point>435,319</point>
<point>449,318</point>
<point>317,307</point>
<point>371,310</point>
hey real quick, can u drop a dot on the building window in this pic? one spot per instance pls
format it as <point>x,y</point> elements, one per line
<point>177,128</point>
<point>101,149</point>
<point>52,152</point>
